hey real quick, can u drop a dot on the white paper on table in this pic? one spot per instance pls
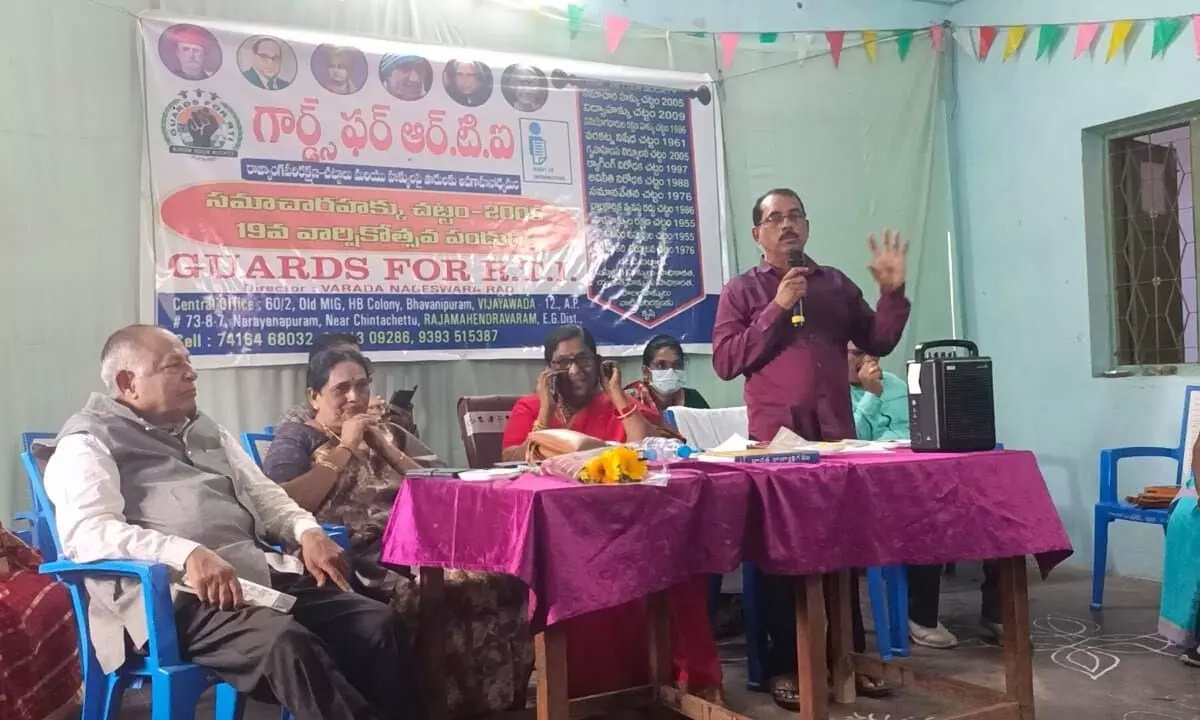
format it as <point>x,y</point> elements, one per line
<point>787,441</point>
<point>736,443</point>
<point>491,474</point>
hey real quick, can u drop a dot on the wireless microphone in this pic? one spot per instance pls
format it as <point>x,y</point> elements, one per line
<point>797,259</point>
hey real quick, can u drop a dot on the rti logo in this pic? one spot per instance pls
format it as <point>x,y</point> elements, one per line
<point>538,151</point>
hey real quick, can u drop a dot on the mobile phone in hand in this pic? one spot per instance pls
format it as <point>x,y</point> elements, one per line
<point>404,398</point>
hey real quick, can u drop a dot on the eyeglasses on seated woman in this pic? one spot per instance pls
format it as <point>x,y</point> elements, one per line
<point>344,467</point>
<point>580,391</point>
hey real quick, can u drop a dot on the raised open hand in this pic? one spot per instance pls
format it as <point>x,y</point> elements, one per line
<point>887,260</point>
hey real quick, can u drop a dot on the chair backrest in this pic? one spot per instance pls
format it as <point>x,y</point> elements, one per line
<point>256,445</point>
<point>708,428</point>
<point>1189,428</point>
<point>481,421</point>
<point>35,465</point>
<point>29,438</point>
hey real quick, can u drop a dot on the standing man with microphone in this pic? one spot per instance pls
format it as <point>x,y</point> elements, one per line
<point>785,325</point>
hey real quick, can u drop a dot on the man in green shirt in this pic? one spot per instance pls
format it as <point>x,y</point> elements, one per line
<point>879,399</point>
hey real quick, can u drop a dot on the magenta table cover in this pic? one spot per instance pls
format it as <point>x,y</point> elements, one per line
<point>584,548</point>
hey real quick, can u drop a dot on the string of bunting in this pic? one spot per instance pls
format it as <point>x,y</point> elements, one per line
<point>1049,37</point>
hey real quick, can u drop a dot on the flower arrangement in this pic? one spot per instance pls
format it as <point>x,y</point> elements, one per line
<point>615,466</point>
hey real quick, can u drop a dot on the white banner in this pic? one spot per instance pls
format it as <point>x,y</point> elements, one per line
<point>440,202</point>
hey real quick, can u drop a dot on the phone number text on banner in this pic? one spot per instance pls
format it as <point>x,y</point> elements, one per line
<point>437,202</point>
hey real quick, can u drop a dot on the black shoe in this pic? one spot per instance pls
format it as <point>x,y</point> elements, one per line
<point>1191,657</point>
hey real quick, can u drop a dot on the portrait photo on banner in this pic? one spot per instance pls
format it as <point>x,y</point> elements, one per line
<point>406,77</point>
<point>339,69</point>
<point>190,52</point>
<point>525,87</point>
<point>467,82</point>
<point>267,62</point>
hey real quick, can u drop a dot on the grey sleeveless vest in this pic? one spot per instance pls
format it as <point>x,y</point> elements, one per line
<point>180,485</point>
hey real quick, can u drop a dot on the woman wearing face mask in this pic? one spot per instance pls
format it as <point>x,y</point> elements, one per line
<point>663,376</point>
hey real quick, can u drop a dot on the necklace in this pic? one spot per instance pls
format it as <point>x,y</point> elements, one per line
<point>329,432</point>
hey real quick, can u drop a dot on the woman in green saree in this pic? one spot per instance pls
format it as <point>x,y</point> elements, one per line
<point>1179,612</point>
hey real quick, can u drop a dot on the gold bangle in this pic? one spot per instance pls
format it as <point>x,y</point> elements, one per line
<point>538,425</point>
<point>329,466</point>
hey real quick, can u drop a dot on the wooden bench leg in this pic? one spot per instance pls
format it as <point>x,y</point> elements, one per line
<point>659,629</point>
<point>431,642</point>
<point>550,659</point>
<point>1018,653</point>
<point>841,635</point>
<point>810,648</point>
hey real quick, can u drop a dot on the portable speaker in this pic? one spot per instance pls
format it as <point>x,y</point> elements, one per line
<point>951,407</point>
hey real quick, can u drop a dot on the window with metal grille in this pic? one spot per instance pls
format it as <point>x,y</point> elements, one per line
<point>1152,245</point>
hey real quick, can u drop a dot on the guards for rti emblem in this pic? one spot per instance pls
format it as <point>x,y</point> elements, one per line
<point>200,123</point>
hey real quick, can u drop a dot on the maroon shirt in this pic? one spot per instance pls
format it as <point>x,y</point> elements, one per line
<point>796,375</point>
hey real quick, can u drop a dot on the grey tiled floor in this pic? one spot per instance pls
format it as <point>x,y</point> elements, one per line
<point>1102,666</point>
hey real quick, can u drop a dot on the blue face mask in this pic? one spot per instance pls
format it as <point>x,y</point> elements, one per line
<point>667,381</point>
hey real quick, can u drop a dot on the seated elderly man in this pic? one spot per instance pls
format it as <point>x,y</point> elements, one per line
<point>141,474</point>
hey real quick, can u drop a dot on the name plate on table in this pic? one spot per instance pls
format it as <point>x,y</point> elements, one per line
<point>761,457</point>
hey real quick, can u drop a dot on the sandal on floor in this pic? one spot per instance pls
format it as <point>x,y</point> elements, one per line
<point>870,687</point>
<point>786,692</point>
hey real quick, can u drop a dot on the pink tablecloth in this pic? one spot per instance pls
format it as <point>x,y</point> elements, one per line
<point>584,548</point>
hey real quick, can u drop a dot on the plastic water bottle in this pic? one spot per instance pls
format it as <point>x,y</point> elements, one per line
<point>664,450</point>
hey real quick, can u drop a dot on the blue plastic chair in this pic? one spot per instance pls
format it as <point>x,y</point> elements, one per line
<point>175,685</point>
<point>250,443</point>
<point>38,534</point>
<point>1111,507</point>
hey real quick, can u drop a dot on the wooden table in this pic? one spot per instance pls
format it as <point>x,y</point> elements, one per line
<point>815,667</point>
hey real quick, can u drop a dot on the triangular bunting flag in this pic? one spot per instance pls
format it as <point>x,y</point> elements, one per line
<point>1166,31</point>
<point>869,38</point>
<point>987,36</point>
<point>1196,30</point>
<point>767,38</point>
<point>729,43</point>
<point>803,43</point>
<point>836,38</point>
<point>615,28</point>
<point>1049,38</point>
<point>904,42</point>
<point>935,32</point>
<point>1116,41</point>
<point>964,38</point>
<point>1013,40</point>
<point>1085,37</point>
<point>574,19</point>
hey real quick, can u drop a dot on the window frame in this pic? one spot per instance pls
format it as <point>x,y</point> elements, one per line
<point>1100,230</point>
